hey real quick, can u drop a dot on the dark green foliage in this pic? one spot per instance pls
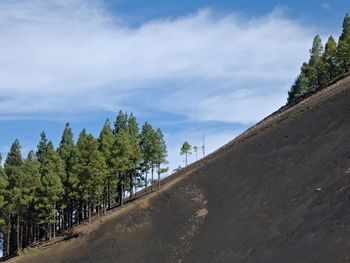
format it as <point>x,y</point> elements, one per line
<point>67,152</point>
<point>3,187</point>
<point>301,84</point>
<point>106,141</point>
<point>91,170</point>
<point>52,189</point>
<point>14,172</point>
<point>121,123</point>
<point>186,150</point>
<point>324,64</point>
<point>122,159</point>
<point>343,51</point>
<point>315,67</point>
<point>330,59</point>
<point>134,136</point>
<point>147,148</point>
<point>160,154</point>
<point>42,146</point>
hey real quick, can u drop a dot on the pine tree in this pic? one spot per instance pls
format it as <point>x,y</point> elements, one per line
<point>121,123</point>
<point>42,146</point>
<point>329,59</point>
<point>106,141</point>
<point>4,209</point>
<point>91,171</point>
<point>31,186</point>
<point>195,149</point>
<point>133,133</point>
<point>3,188</point>
<point>301,84</point>
<point>160,154</point>
<point>315,72</point>
<point>66,151</point>
<point>51,189</point>
<point>343,50</point>
<point>147,137</point>
<point>122,154</point>
<point>186,150</point>
<point>14,173</point>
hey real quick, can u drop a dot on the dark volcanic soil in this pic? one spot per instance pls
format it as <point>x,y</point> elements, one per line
<point>278,193</point>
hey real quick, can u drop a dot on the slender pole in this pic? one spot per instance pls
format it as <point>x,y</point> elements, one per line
<point>203,147</point>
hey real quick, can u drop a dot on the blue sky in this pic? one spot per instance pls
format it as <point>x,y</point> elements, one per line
<point>188,67</point>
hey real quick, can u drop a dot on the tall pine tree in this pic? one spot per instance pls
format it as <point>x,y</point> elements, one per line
<point>122,154</point>
<point>315,73</point>
<point>51,190</point>
<point>133,133</point>
<point>343,51</point>
<point>14,172</point>
<point>106,141</point>
<point>329,59</point>
<point>67,152</point>
<point>91,171</point>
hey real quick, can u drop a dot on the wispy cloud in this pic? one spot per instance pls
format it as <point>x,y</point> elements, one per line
<point>326,6</point>
<point>74,56</point>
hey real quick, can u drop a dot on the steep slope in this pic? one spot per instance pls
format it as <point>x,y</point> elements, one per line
<point>278,193</point>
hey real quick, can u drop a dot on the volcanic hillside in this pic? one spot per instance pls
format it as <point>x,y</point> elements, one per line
<point>277,193</point>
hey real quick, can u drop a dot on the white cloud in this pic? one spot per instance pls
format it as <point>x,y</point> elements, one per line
<point>73,56</point>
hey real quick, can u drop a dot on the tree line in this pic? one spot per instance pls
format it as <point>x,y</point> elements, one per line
<point>53,189</point>
<point>325,63</point>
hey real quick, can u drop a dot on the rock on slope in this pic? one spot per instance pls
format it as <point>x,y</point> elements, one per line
<point>278,193</point>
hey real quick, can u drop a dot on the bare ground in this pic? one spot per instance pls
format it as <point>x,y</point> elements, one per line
<point>280,192</point>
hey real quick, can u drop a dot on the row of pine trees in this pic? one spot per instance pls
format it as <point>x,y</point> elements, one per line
<point>53,189</point>
<point>325,63</point>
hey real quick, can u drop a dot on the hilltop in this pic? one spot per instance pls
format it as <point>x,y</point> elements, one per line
<point>277,193</point>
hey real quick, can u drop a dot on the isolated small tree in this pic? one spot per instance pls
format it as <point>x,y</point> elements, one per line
<point>160,154</point>
<point>195,149</point>
<point>186,150</point>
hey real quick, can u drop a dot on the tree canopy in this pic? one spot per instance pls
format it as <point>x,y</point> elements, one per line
<point>325,63</point>
<point>53,189</point>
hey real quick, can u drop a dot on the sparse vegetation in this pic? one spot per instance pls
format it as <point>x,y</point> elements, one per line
<point>186,150</point>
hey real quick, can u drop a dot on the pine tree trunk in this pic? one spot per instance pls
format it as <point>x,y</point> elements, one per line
<point>146,182</point>
<point>54,221</point>
<point>122,191</point>
<point>8,239</point>
<point>158,180</point>
<point>132,185</point>
<point>18,234</point>
<point>90,208</point>
<point>21,236</point>
<point>152,181</point>
<point>54,230</point>
<point>109,193</point>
